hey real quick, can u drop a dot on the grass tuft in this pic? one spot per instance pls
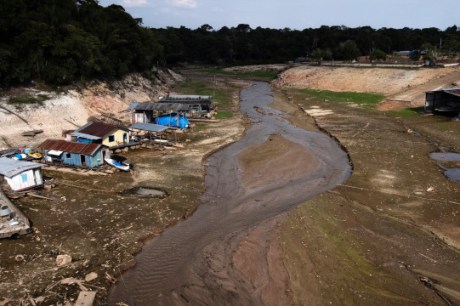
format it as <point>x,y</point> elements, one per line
<point>27,100</point>
<point>263,75</point>
<point>361,98</point>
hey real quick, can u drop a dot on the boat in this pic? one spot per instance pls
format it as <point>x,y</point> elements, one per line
<point>35,155</point>
<point>124,166</point>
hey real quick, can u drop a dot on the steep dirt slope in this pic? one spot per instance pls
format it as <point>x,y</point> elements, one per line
<point>399,85</point>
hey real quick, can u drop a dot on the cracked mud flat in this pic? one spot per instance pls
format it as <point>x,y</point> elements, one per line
<point>252,182</point>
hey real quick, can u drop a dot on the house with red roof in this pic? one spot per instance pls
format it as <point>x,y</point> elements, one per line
<point>77,154</point>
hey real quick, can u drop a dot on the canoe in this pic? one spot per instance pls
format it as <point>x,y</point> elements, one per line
<point>124,166</point>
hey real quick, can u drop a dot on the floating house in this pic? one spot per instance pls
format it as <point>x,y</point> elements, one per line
<point>198,106</point>
<point>21,175</point>
<point>443,100</point>
<point>192,106</point>
<point>77,154</point>
<point>106,134</point>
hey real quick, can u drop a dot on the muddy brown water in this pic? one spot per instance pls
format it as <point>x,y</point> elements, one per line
<point>190,263</point>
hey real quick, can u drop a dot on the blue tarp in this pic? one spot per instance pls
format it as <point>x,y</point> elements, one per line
<point>84,140</point>
<point>173,119</point>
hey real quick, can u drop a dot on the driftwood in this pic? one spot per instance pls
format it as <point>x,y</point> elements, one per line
<point>32,133</point>
<point>35,195</point>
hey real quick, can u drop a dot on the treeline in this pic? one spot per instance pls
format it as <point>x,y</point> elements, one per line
<point>63,41</point>
<point>244,45</point>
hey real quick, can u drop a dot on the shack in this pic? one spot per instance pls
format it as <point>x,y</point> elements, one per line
<point>199,106</point>
<point>191,105</point>
<point>146,112</point>
<point>443,100</point>
<point>21,175</point>
<point>77,154</point>
<point>109,135</point>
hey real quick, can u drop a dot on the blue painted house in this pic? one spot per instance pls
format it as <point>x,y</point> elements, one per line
<point>77,154</point>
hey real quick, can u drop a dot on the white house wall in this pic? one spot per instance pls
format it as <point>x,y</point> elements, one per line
<point>25,180</point>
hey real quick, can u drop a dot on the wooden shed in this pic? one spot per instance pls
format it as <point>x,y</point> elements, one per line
<point>21,175</point>
<point>83,155</point>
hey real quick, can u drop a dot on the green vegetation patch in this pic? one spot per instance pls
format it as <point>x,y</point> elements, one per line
<point>265,75</point>
<point>224,114</point>
<point>361,98</point>
<point>27,99</point>
<point>406,113</point>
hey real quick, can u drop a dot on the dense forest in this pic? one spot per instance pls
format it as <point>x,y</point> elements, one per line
<point>63,41</point>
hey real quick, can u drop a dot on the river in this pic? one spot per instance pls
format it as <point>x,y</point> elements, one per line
<point>176,267</point>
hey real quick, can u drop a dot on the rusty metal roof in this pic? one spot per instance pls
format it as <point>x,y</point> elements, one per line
<point>98,129</point>
<point>70,147</point>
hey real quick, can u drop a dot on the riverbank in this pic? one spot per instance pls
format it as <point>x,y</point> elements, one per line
<point>390,234</point>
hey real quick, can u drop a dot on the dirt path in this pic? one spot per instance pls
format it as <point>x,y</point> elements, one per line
<point>199,261</point>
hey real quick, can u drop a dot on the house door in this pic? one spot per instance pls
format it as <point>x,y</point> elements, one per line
<point>83,160</point>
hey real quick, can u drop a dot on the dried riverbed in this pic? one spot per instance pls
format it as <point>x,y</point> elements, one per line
<point>273,168</point>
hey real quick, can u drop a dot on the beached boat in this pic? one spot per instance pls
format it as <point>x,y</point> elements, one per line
<point>35,155</point>
<point>124,166</point>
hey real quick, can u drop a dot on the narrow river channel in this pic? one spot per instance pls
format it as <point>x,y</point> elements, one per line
<point>174,268</point>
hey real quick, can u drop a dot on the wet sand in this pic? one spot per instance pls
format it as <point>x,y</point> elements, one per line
<point>272,169</point>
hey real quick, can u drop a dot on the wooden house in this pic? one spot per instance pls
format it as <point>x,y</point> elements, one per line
<point>77,154</point>
<point>106,134</point>
<point>21,175</point>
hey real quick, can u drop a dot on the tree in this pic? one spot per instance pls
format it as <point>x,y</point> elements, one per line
<point>348,50</point>
<point>377,55</point>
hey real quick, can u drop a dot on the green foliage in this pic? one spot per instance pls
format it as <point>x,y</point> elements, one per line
<point>319,54</point>
<point>348,50</point>
<point>63,41</point>
<point>224,114</point>
<point>377,55</point>
<point>406,113</point>
<point>366,99</point>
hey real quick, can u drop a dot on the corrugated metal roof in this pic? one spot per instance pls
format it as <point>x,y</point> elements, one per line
<point>98,129</point>
<point>453,91</point>
<point>70,147</point>
<point>150,127</point>
<point>187,97</point>
<point>87,136</point>
<point>141,106</point>
<point>11,167</point>
<point>171,107</point>
<point>164,106</point>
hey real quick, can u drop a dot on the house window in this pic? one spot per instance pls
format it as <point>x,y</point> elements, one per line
<point>24,177</point>
<point>68,155</point>
<point>111,138</point>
